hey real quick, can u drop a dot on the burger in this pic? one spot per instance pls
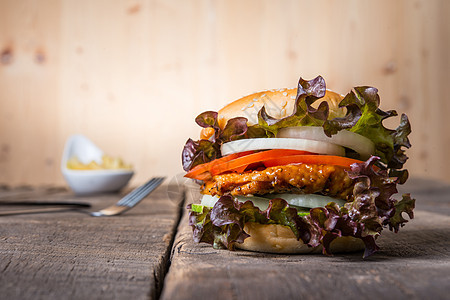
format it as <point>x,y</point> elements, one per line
<point>298,170</point>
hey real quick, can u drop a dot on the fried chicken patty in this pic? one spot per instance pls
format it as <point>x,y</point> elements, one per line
<point>327,180</point>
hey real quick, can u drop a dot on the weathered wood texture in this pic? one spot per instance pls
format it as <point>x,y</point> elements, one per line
<point>413,264</point>
<point>132,75</point>
<point>74,256</point>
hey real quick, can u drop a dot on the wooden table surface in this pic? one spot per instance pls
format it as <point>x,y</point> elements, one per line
<point>148,253</point>
<point>71,255</point>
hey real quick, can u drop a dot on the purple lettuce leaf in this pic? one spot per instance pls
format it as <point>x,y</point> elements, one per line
<point>220,237</point>
<point>335,125</point>
<point>199,152</point>
<point>208,119</point>
<point>372,208</point>
<point>234,129</point>
<point>406,205</point>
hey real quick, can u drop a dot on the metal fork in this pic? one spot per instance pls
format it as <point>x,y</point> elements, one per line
<point>130,200</point>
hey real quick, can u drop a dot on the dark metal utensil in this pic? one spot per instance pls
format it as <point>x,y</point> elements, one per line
<point>43,203</point>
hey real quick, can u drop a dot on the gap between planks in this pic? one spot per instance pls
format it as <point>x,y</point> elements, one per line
<point>160,273</point>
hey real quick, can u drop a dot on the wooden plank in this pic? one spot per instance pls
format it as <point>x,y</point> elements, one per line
<point>413,264</point>
<point>74,256</point>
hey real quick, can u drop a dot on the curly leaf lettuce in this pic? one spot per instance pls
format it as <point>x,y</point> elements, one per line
<point>406,205</point>
<point>388,142</point>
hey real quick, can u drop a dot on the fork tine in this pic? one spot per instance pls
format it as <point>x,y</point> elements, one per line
<point>140,193</point>
<point>136,191</point>
<point>135,194</point>
<point>130,200</point>
<point>138,197</point>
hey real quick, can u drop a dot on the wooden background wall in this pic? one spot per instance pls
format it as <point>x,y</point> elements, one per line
<point>132,75</point>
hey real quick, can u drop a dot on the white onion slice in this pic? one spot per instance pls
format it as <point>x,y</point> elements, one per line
<point>345,138</point>
<point>208,200</point>
<point>282,143</point>
<point>260,202</point>
<point>302,200</point>
<point>307,200</point>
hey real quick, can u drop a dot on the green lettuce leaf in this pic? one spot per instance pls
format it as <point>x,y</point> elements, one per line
<point>388,142</point>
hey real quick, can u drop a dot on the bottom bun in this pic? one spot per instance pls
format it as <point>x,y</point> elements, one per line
<point>275,238</point>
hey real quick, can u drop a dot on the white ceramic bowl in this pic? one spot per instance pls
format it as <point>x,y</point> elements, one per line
<point>85,182</point>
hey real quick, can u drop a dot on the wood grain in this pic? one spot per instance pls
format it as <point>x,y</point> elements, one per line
<point>74,256</point>
<point>413,264</point>
<point>132,75</point>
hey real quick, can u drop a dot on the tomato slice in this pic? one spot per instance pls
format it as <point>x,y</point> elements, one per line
<point>271,158</point>
<point>237,162</point>
<point>311,159</point>
<point>197,170</point>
